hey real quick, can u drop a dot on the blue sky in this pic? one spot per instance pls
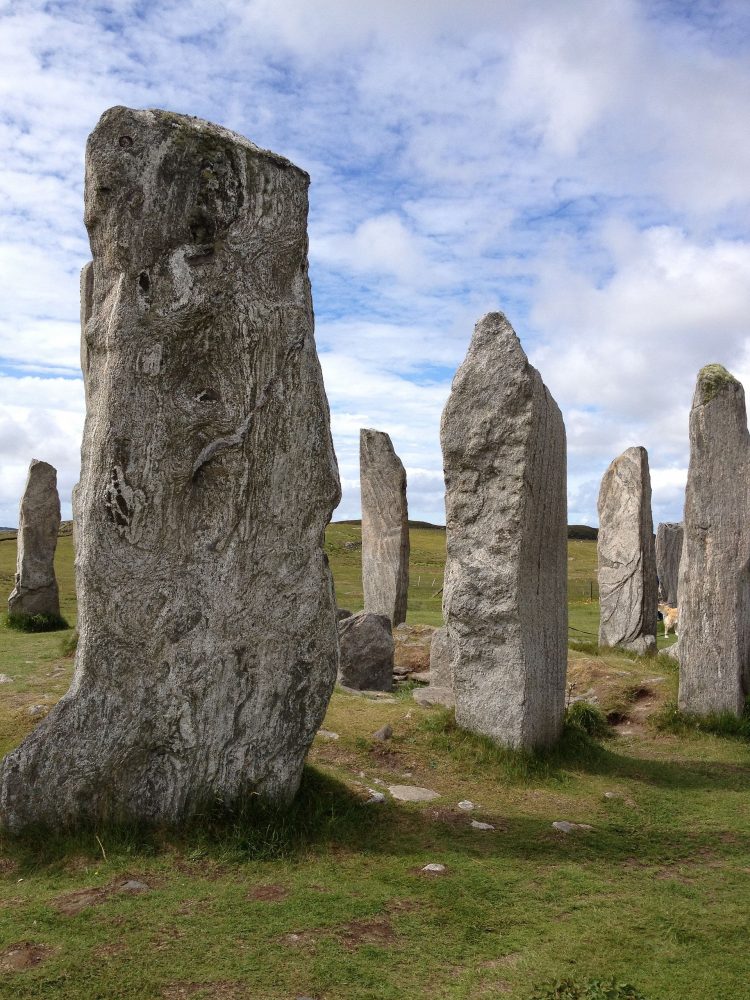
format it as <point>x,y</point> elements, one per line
<point>581,165</point>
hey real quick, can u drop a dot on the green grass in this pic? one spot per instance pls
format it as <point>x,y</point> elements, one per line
<point>328,900</point>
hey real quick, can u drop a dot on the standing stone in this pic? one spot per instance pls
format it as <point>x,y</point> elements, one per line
<point>207,650</point>
<point>627,559</point>
<point>714,583</point>
<point>440,689</point>
<point>505,592</point>
<point>385,527</point>
<point>366,659</point>
<point>35,592</point>
<point>668,555</point>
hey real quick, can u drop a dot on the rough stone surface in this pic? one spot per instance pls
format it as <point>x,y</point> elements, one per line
<point>412,648</point>
<point>385,527</point>
<point>412,793</point>
<point>432,695</point>
<point>366,652</point>
<point>714,645</point>
<point>668,554</point>
<point>207,650</point>
<point>505,594</point>
<point>627,560</point>
<point>384,733</point>
<point>342,613</point>
<point>440,659</point>
<point>35,591</point>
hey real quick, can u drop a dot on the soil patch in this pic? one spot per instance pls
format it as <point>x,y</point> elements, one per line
<point>378,931</point>
<point>268,893</point>
<point>23,955</point>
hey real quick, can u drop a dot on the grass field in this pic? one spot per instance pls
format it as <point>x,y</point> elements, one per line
<point>329,901</point>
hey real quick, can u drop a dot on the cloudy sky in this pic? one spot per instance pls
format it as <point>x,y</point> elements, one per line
<point>582,165</point>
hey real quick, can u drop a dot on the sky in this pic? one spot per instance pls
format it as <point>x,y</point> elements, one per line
<point>582,166</point>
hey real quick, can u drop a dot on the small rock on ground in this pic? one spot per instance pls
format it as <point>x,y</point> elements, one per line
<point>481,826</point>
<point>434,869</point>
<point>565,827</point>
<point>4,679</point>
<point>134,885</point>
<point>412,793</point>
<point>384,733</point>
<point>37,711</point>
<point>327,734</point>
<point>376,798</point>
<point>466,805</point>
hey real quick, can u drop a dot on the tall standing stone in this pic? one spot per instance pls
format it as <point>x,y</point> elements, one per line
<point>626,554</point>
<point>715,569</point>
<point>35,592</point>
<point>385,527</point>
<point>505,589</point>
<point>668,554</point>
<point>207,650</point>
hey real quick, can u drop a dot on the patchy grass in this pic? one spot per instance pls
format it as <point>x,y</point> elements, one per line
<point>722,724</point>
<point>328,899</point>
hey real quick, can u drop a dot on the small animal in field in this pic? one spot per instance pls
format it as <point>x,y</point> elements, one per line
<point>670,617</point>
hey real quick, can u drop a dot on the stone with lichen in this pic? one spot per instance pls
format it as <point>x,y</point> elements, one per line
<point>207,650</point>
<point>35,591</point>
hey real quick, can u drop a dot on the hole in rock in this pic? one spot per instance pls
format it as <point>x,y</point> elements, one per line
<point>144,282</point>
<point>125,141</point>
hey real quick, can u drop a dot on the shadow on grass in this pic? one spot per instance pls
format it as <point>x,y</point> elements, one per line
<point>575,752</point>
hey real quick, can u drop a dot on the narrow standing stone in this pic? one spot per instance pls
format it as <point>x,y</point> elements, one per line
<point>627,560</point>
<point>35,592</point>
<point>207,650</point>
<point>668,554</point>
<point>505,592</point>
<point>385,527</point>
<point>714,583</point>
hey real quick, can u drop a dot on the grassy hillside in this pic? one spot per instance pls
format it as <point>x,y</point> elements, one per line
<point>330,902</point>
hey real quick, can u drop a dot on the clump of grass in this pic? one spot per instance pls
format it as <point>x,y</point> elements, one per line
<point>36,623</point>
<point>69,644</point>
<point>592,989</point>
<point>672,720</point>
<point>588,718</point>
<point>480,756</point>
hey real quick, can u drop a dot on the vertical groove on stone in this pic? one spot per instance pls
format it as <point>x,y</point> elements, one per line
<point>385,527</point>
<point>35,591</point>
<point>668,554</point>
<point>505,595</point>
<point>626,555</point>
<point>207,650</point>
<point>714,584</point>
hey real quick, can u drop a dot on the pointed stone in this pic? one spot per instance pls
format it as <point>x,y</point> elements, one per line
<point>505,589</point>
<point>627,559</point>
<point>714,646</point>
<point>35,592</point>
<point>385,527</point>
<point>668,554</point>
<point>207,649</point>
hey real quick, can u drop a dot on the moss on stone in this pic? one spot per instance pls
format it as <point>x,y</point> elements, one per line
<point>712,379</point>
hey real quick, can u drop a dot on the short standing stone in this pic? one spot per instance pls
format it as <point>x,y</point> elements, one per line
<point>385,527</point>
<point>207,650</point>
<point>714,646</point>
<point>366,652</point>
<point>505,588</point>
<point>35,592</point>
<point>627,561</point>
<point>440,690</point>
<point>668,555</point>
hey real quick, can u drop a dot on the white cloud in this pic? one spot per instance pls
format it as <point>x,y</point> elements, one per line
<point>582,166</point>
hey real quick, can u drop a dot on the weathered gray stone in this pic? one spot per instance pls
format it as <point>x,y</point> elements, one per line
<point>412,793</point>
<point>440,659</point>
<point>35,591</point>
<point>668,555</point>
<point>207,649</point>
<point>627,560</point>
<point>432,695</point>
<point>366,652</point>
<point>504,598</point>
<point>385,527</point>
<point>714,587</point>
